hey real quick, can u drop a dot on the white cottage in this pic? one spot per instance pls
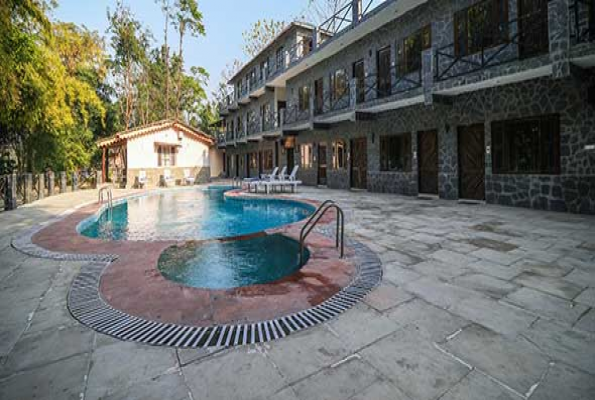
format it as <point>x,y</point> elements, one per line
<point>162,152</point>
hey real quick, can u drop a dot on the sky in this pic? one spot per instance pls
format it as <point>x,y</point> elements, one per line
<point>224,20</point>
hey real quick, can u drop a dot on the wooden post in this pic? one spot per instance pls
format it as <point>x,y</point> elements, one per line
<point>51,182</point>
<point>10,199</point>
<point>75,181</point>
<point>40,186</point>
<point>28,189</point>
<point>62,182</point>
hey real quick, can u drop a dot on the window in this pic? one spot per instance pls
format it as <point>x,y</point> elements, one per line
<point>306,155</point>
<point>410,51</point>
<point>267,156</point>
<point>304,98</point>
<point>338,86</point>
<point>166,156</point>
<point>527,146</point>
<point>318,96</point>
<point>280,57</point>
<point>482,25</point>
<point>253,157</point>
<point>339,154</point>
<point>359,75</point>
<point>384,81</point>
<point>395,153</point>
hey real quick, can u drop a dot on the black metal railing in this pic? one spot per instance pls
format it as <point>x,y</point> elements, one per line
<point>331,101</point>
<point>582,20</point>
<point>396,81</point>
<point>343,19</point>
<point>270,120</point>
<point>294,114</point>
<point>523,37</point>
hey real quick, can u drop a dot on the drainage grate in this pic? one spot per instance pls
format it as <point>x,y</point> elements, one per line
<point>87,306</point>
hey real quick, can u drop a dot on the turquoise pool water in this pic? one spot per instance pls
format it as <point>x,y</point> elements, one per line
<point>192,215</point>
<point>224,265</point>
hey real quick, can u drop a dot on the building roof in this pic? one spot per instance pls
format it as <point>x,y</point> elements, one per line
<point>289,27</point>
<point>154,127</point>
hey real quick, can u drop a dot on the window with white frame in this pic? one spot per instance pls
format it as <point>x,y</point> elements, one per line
<point>306,155</point>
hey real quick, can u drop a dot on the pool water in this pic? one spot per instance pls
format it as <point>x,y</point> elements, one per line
<point>192,215</point>
<point>224,265</point>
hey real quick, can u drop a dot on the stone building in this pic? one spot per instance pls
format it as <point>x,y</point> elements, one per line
<point>489,100</point>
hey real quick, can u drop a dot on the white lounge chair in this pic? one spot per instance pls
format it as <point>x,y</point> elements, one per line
<point>254,183</point>
<point>268,176</point>
<point>188,178</point>
<point>141,179</point>
<point>291,181</point>
<point>167,178</point>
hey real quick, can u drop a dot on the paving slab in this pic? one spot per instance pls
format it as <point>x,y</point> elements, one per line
<point>496,270</point>
<point>395,273</point>
<point>586,297</point>
<point>361,326</point>
<point>565,382</point>
<point>187,356</point>
<point>381,390</point>
<point>116,368</point>
<point>452,257</point>
<point>477,386</point>
<point>412,363</point>
<point>514,361</point>
<point>386,296</point>
<point>244,373</point>
<point>546,305</point>
<point>497,257</point>
<point>550,285</point>
<point>441,270</point>
<point>41,348</point>
<point>284,394</point>
<point>564,344</point>
<point>439,293</point>
<point>580,278</point>
<point>63,380</point>
<point>340,382</point>
<point>170,386</point>
<point>488,285</point>
<point>544,269</point>
<point>433,322</point>
<point>400,257</point>
<point>306,353</point>
<point>51,318</point>
<point>587,322</point>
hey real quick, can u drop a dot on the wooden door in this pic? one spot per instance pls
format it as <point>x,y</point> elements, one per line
<point>533,27</point>
<point>359,164</point>
<point>427,149</point>
<point>322,163</point>
<point>290,159</point>
<point>471,162</point>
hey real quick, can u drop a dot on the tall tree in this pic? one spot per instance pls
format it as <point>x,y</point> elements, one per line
<point>187,18</point>
<point>165,8</point>
<point>260,34</point>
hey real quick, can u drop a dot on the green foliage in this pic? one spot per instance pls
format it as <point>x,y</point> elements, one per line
<point>260,34</point>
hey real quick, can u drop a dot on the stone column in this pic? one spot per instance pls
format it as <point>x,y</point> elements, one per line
<point>51,182</point>
<point>427,75</point>
<point>28,189</point>
<point>10,197</point>
<point>62,182</point>
<point>75,181</point>
<point>40,186</point>
<point>559,37</point>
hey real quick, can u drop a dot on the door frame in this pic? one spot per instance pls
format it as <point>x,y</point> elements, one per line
<point>419,163</point>
<point>364,181</point>
<point>460,164</point>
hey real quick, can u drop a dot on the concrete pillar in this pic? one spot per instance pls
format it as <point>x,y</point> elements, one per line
<point>10,197</point>
<point>40,186</point>
<point>559,37</point>
<point>75,181</point>
<point>427,74</point>
<point>28,189</point>
<point>62,182</point>
<point>51,183</point>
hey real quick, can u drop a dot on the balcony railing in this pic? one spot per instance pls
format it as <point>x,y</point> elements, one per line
<point>270,121</point>
<point>293,115</point>
<point>582,20</point>
<point>343,19</point>
<point>523,37</point>
<point>397,81</point>
<point>333,101</point>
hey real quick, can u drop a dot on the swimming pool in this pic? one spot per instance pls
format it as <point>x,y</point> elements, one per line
<point>191,215</point>
<point>257,260</point>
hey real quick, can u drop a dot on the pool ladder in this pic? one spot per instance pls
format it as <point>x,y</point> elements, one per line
<point>313,221</point>
<point>107,190</point>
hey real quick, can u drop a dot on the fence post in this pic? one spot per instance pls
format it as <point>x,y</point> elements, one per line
<point>40,186</point>
<point>51,182</point>
<point>75,181</point>
<point>28,189</point>
<point>62,182</point>
<point>10,199</point>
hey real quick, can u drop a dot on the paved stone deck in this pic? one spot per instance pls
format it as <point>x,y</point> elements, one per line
<point>477,302</point>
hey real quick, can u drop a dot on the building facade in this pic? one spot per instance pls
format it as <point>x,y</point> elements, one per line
<point>489,100</point>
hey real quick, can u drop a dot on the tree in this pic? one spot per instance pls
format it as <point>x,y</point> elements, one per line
<point>129,42</point>
<point>166,12</point>
<point>261,33</point>
<point>187,17</point>
<point>319,11</point>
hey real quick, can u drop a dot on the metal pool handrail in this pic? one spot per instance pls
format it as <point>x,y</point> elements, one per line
<point>313,221</point>
<point>110,199</point>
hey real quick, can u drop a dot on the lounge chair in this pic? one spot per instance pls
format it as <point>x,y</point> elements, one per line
<point>254,183</point>
<point>188,178</point>
<point>291,180</point>
<point>141,179</point>
<point>268,176</point>
<point>167,179</point>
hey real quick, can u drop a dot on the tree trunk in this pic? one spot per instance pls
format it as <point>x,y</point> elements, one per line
<point>179,91</point>
<point>166,62</point>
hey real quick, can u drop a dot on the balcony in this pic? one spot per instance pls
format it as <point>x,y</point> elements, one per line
<point>228,104</point>
<point>520,39</point>
<point>296,118</point>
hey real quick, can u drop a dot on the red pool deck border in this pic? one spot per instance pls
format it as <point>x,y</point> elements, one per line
<point>133,284</point>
